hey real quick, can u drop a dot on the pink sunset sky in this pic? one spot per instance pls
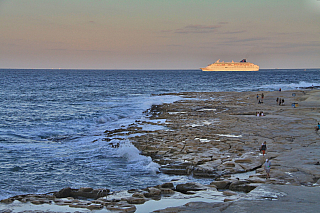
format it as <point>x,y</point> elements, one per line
<point>166,34</point>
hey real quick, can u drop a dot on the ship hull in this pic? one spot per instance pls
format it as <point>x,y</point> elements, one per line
<point>231,66</point>
<point>230,69</point>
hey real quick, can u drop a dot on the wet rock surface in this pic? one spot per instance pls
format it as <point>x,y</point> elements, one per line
<point>217,136</point>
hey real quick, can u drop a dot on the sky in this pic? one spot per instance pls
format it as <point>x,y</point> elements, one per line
<point>158,34</point>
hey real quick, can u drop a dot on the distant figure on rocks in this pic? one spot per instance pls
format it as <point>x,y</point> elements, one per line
<point>262,96</point>
<point>263,148</point>
<point>257,96</point>
<point>267,165</point>
<point>261,114</point>
<point>282,101</point>
<point>280,90</point>
<point>277,100</point>
<point>318,127</point>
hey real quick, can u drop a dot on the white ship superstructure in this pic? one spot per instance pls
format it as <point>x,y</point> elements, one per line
<point>243,65</point>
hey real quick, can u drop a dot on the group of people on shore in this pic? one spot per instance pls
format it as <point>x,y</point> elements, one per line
<point>260,101</point>
<point>280,101</point>
<point>259,114</point>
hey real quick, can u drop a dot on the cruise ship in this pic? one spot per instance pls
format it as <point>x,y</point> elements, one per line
<point>243,65</point>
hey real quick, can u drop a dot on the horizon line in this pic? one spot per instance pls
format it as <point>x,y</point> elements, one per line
<point>140,69</point>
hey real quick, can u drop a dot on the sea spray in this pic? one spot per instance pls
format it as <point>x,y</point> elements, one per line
<point>132,155</point>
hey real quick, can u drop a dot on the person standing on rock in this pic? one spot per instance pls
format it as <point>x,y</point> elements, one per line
<point>267,165</point>
<point>263,148</point>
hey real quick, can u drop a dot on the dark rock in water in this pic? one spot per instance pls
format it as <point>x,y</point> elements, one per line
<point>186,187</point>
<point>82,192</point>
<point>167,185</point>
<point>7,201</point>
<point>86,193</point>
<point>65,192</point>
<point>16,169</point>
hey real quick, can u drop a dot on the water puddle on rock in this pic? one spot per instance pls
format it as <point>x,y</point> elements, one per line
<point>179,199</point>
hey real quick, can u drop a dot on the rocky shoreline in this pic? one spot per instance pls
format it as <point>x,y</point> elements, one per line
<point>215,135</point>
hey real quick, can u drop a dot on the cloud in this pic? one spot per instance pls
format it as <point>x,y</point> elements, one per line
<point>198,28</point>
<point>251,39</point>
<point>235,32</point>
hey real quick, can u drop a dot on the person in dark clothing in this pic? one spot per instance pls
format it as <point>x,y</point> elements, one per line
<point>263,148</point>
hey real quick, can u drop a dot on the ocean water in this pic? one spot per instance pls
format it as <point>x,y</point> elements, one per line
<point>53,122</point>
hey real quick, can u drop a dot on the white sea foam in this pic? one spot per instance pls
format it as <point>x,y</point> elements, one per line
<point>291,86</point>
<point>153,167</point>
<point>132,155</point>
<point>129,152</point>
<point>277,86</point>
<point>105,119</point>
<point>157,100</point>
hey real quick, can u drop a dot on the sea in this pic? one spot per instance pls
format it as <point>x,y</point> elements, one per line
<point>53,122</point>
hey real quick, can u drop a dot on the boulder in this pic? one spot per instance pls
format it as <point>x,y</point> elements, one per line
<point>166,191</point>
<point>137,194</point>
<point>7,201</point>
<point>243,186</point>
<point>135,200</point>
<point>186,187</point>
<point>85,192</point>
<point>222,184</point>
<point>63,193</point>
<point>167,185</point>
<point>152,192</point>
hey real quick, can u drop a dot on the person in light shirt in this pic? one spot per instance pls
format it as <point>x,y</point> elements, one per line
<point>267,166</point>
